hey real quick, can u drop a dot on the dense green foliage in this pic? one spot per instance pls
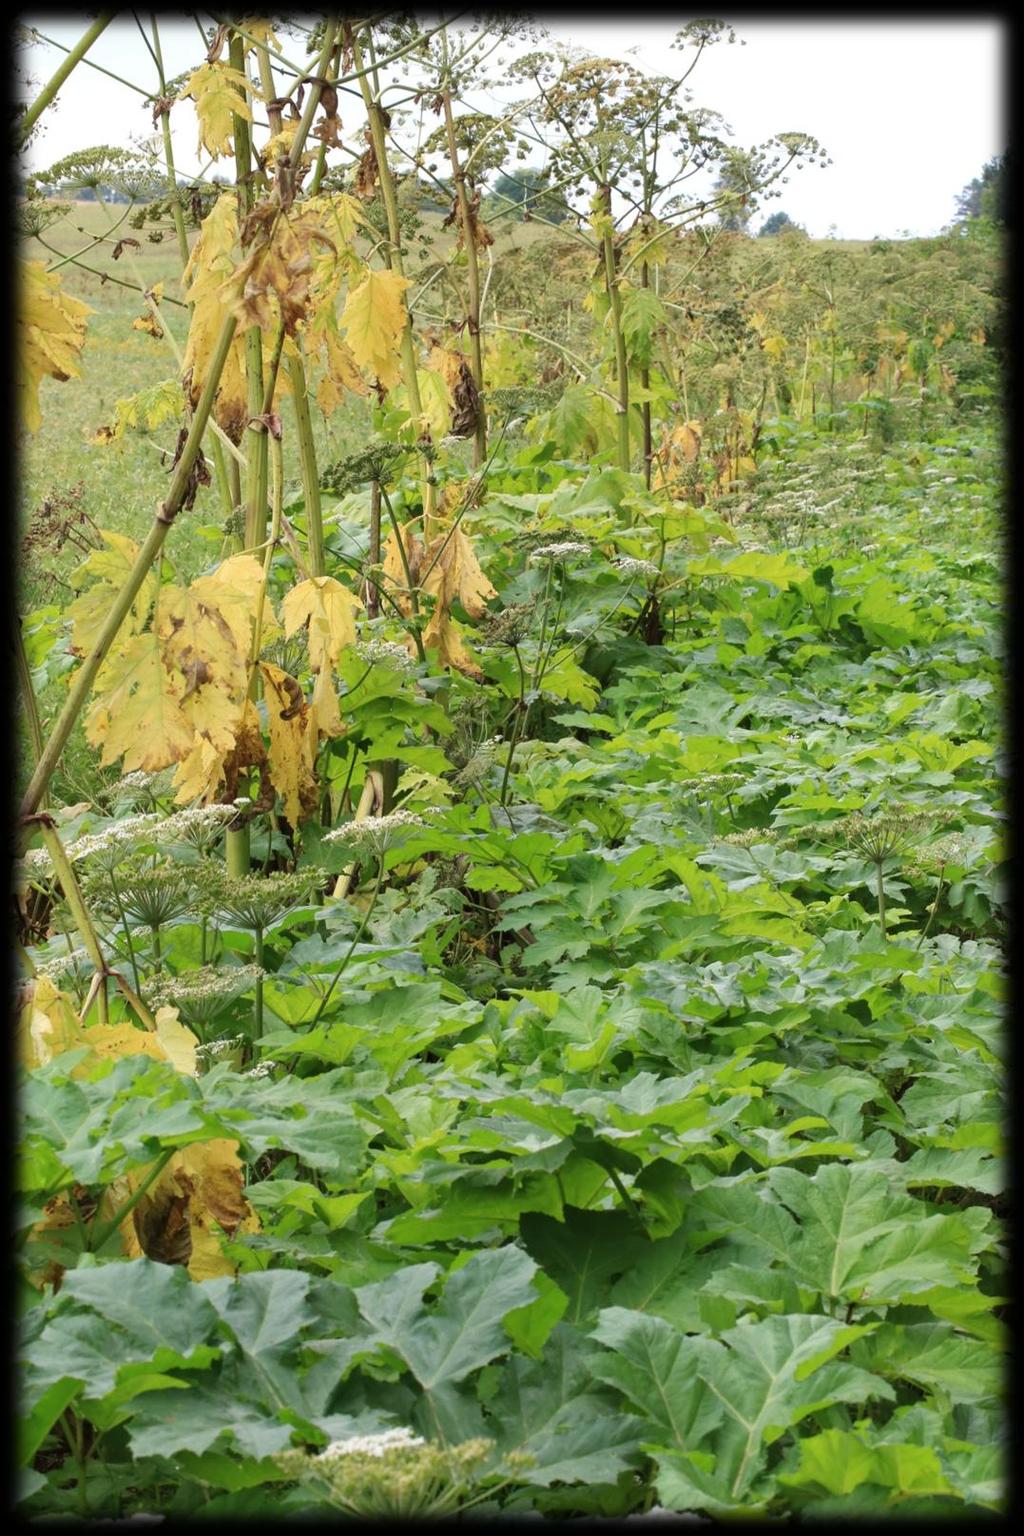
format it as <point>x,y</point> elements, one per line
<point>561,1068</point>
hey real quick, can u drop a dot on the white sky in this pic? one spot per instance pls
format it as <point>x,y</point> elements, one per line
<point>909,110</point>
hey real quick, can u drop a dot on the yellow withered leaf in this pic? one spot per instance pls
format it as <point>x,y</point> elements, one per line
<point>136,711</point>
<point>341,373</point>
<point>435,416</point>
<point>47,1024</point>
<point>177,1219</point>
<point>273,284</point>
<point>443,633</point>
<point>210,264</point>
<point>330,609</point>
<point>374,318</point>
<point>176,1040</point>
<point>447,363</point>
<point>259,32</point>
<point>51,334</point>
<point>200,774</point>
<point>291,751</point>
<point>219,95</point>
<point>197,642</point>
<point>233,589</point>
<point>393,576</point>
<point>453,573</point>
<point>324,713</point>
<point>109,568</point>
<point>210,260</point>
<point>148,323</point>
<point>340,216</point>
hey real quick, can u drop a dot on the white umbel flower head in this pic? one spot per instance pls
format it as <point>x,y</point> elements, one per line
<point>559,553</point>
<point>373,1445</point>
<point>629,565</point>
<point>375,834</point>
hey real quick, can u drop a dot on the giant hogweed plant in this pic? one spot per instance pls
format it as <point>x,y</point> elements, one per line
<point>530,1110</point>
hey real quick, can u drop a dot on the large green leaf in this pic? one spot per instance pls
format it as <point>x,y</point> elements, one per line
<point>463,1331</point>
<point>548,1410</point>
<point>745,1390</point>
<point>583,1253</point>
<point>861,1240</point>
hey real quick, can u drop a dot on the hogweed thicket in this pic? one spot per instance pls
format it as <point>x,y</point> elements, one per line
<point>514,1006</point>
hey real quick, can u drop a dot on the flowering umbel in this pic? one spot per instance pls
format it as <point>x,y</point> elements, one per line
<point>392,1473</point>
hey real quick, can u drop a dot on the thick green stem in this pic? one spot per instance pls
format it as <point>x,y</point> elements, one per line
<point>28,694</point>
<point>79,911</point>
<point>373,593</point>
<point>393,256</point>
<point>31,116</point>
<point>645,384</point>
<point>308,466</point>
<point>256,455</point>
<point>237,855</point>
<point>257,997</point>
<point>880,888</point>
<point>144,562</point>
<point>472,280</point>
<point>621,365</point>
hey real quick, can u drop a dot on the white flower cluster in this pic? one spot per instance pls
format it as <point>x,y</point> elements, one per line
<point>55,970</point>
<point>388,652</point>
<point>130,830</point>
<point>558,552</point>
<point>195,823</point>
<point>220,1047</point>
<point>375,833</point>
<point>261,1069</point>
<point>628,565</point>
<point>373,1445</point>
<point>207,982</point>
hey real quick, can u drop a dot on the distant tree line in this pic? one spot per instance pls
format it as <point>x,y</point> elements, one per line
<point>988,195</point>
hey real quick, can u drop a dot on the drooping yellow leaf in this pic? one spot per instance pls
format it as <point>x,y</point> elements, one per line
<point>108,568</point>
<point>274,283</point>
<point>136,711</point>
<point>444,633</point>
<point>341,373</point>
<point>393,575</point>
<point>374,318</point>
<point>47,1024</point>
<point>200,773</point>
<point>177,1040</point>
<point>324,713</point>
<point>177,1219</point>
<point>198,643</point>
<point>435,417</point>
<point>51,334</point>
<point>219,95</point>
<point>330,609</point>
<point>210,265</point>
<point>259,32</point>
<point>452,573</point>
<point>340,216</point>
<point>291,748</point>
<point>233,589</point>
